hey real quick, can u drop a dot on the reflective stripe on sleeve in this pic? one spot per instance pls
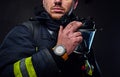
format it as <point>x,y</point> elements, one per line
<point>17,71</point>
<point>30,67</point>
<point>24,68</point>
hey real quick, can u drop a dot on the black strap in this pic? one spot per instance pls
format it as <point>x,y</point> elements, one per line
<point>33,26</point>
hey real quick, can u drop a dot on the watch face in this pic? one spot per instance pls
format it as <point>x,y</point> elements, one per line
<point>59,50</point>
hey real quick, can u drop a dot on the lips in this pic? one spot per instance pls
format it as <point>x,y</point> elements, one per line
<point>57,10</point>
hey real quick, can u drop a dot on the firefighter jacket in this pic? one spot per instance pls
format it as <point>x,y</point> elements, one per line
<point>21,55</point>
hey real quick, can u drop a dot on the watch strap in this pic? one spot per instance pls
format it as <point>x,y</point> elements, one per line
<point>65,56</point>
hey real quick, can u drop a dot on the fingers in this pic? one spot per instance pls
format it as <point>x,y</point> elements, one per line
<point>75,34</point>
<point>73,26</point>
<point>77,38</point>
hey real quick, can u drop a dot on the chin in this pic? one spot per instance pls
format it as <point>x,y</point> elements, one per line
<point>56,16</point>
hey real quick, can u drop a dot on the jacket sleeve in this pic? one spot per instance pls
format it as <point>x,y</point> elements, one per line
<point>18,56</point>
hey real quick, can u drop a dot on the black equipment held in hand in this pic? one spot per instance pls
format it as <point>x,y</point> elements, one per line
<point>88,31</point>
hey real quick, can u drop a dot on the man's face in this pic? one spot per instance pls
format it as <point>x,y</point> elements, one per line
<point>58,8</point>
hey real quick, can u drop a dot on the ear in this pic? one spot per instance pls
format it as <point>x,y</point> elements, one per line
<point>76,3</point>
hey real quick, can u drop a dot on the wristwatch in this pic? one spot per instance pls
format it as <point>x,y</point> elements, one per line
<point>59,50</point>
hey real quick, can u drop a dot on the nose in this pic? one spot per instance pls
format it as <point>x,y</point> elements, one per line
<point>58,2</point>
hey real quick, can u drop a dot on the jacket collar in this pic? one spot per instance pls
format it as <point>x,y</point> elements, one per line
<point>52,24</point>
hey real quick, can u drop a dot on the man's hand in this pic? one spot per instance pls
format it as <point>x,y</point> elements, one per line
<point>69,37</point>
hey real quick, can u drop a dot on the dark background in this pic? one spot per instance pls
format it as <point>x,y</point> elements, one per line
<point>105,13</point>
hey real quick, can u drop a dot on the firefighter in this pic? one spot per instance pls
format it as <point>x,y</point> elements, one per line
<point>47,48</point>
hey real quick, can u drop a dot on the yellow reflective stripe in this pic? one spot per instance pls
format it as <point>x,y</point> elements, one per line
<point>17,71</point>
<point>90,72</point>
<point>88,68</point>
<point>30,67</point>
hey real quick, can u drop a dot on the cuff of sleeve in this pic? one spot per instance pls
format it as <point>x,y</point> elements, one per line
<point>58,59</point>
<point>44,64</point>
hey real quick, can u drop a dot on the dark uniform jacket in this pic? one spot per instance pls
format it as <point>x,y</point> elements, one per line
<point>22,55</point>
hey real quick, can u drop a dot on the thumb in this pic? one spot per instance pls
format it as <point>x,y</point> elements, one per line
<point>61,29</point>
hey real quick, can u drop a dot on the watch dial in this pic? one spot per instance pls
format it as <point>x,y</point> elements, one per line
<point>59,50</point>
